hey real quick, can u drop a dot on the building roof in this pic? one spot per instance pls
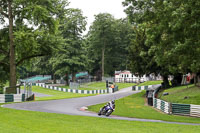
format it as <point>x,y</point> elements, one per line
<point>122,72</point>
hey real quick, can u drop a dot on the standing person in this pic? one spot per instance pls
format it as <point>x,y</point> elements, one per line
<point>112,86</point>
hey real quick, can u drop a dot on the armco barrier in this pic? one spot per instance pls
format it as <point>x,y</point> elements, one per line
<point>176,108</point>
<point>180,109</point>
<point>162,105</point>
<point>171,108</point>
<point>75,90</point>
<point>12,98</point>
<point>195,110</point>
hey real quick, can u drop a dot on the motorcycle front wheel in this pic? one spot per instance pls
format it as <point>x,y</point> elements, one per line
<point>100,112</point>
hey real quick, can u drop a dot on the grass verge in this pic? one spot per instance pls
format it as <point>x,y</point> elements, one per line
<point>151,83</point>
<point>134,106</point>
<point>17,121</point>
<point>55,94</point>
<point>124,85</point>
<point>91,86</point>
<point>184,94</point>
<point>101,86</point>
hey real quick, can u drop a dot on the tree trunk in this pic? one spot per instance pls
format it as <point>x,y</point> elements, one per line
<point>165,83</point>
<point>73,76</point>
<point>102,67</point>
<point>195,78</point>
<point>13,81</point>
<point>177,79</point>
<point>54,78</point>
<point>67,79</point>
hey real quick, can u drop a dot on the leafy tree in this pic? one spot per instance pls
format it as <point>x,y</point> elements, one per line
<point>71,57</point>
<point>4,56</point>
<point>171,32</point>
<point>100,37</point>
<point>118,56</point>
<point>32,25</point>
<point>108,39</point>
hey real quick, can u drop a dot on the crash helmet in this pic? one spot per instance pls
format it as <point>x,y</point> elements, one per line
<point>113,101</point>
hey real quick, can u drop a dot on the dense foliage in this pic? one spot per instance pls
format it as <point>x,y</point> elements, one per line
<point>107,41</point>
<point>169,37</point>
<point>159,36</point>
<point>31,31</point>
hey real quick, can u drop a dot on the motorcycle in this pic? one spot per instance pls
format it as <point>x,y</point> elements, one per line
<point>107,110</point>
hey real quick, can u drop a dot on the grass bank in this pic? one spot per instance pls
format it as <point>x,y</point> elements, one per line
<point>134,106</point>
<point>184,94</point>
<point>17,121</point>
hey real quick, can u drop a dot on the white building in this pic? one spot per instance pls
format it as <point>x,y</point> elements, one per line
<point>127,76</point>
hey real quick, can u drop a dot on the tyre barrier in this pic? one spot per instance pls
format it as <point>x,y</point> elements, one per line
<point>137,88</point>
<point>4,98</point>
<point>76,90</point>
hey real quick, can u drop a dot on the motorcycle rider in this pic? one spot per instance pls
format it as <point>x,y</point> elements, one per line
<point>111,104</point>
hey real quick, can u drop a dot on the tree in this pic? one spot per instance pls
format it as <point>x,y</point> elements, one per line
<point>100,34</point>
<point>107,41</point>
<point>171,32</point>
<point>71,57</point>
<point>4,56</point>
<point>31,24</point>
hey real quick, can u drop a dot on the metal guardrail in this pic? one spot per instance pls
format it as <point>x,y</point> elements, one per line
<point>195,110</point>
<point>180,109</point>
<point>162,105</point>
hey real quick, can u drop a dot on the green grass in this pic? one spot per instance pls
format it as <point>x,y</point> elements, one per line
<point>55,94</point>
<point>101,86</point>
<point>66,86</point>
<point>124,85</point>
<point>16,121</point>
<point>94,86</point>
<point>91,86</point>
<point>177,94</point>
<point>151,83</point>
<point>134,106</point>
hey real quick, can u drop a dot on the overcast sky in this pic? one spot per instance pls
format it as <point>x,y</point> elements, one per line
<point>94,7</point>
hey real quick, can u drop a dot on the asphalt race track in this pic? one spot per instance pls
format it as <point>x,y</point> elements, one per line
<point>75,106</point>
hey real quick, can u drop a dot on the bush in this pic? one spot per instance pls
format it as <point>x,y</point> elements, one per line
<point>1,89</point>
